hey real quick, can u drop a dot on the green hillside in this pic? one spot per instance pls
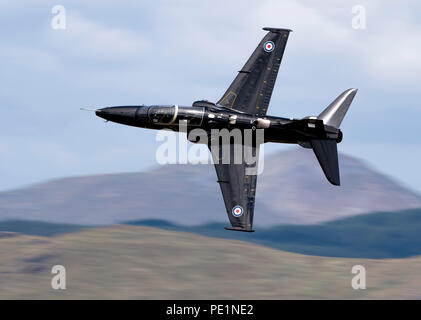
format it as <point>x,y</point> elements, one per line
<point>132,262</point>
<point>38,228</point>
<point>376,235</point>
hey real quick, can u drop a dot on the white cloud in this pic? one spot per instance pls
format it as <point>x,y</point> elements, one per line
<point>28,57</point>
<point>394,54</point>
<point>88,39</point>
<point>191,38</point>
<point>386,51</point>
<point>224,34</point>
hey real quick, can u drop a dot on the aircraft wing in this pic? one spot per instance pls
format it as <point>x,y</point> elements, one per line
<point>238,188</point>
<point>251,90</point>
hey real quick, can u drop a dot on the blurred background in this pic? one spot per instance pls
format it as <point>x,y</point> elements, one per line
<point>90,195</point>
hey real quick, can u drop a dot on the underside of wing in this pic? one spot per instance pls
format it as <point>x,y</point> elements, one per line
<point>251,90</point>
<point>238,186</point>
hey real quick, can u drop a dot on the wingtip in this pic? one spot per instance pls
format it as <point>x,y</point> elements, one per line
<point>276,30</point>
<point>238,229</point>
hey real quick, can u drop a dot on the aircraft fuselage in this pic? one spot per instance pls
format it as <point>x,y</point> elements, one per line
<point>276,129</point>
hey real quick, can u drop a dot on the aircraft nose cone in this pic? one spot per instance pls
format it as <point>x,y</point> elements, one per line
<point>123,114</point>
<point>105,113</point>
<point>102,112</point>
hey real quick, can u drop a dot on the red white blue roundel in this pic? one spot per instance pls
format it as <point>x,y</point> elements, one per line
<point>269,46</point>
<point>237,211</point>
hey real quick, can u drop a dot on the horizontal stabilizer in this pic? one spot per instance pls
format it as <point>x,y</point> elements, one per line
<point>326,152</point>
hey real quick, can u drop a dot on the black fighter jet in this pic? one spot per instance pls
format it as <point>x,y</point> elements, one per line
<point>244,106</point>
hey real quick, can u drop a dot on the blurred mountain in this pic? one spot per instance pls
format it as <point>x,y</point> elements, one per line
<point>129,262</point>
<point>291,190</point>
<point>376,236</point>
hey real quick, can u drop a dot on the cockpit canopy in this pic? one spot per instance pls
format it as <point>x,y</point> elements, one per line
<point>169,115</point>
<point>162,114</point>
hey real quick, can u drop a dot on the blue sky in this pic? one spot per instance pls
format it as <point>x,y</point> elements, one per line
<point>164,52</point>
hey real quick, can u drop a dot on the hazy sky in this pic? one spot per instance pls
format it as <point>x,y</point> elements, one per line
<point>176,52</point>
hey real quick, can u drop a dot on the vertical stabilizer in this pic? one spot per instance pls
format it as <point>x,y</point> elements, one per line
<point>335,112</point>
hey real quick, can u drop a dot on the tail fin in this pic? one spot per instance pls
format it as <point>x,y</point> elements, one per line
<point>335,112</point>
<point>326,152</point>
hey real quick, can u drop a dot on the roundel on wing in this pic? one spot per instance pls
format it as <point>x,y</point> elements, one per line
<point>237,211</point>
<point>269,46</point>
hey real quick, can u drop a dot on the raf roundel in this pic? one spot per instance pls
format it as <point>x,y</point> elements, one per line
<point>237,211</point>
<point>269,46</point>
